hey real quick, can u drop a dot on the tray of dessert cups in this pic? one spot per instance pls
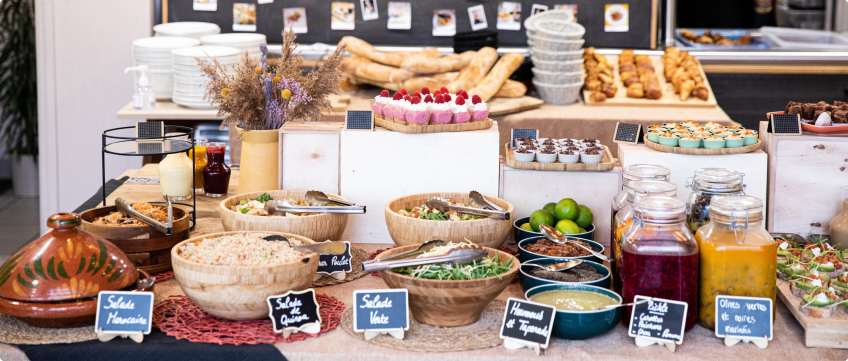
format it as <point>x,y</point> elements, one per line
<point>550,154</point>
<point>425,112</point>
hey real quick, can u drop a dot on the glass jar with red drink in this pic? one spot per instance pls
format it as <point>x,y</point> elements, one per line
<point>659,255</point>
<point>216,174</point>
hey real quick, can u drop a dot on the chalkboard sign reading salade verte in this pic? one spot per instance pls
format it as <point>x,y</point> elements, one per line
<point>332,263</point>
<point>294,310</point>
<point>658,319</point>
<point>376,310</point>
<point>528,321</point>
<point>743,317</point>
<point>123,312</point>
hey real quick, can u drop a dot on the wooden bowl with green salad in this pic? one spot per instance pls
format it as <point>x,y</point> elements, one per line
<point>456,299</point>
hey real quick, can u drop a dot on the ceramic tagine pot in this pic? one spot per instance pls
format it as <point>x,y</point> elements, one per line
<point>54,280</point>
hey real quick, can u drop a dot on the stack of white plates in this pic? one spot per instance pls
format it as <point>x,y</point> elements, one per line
<point>189,83</point>
<point>191,29</point>
<point>243,41</point>
<point>156,54</point>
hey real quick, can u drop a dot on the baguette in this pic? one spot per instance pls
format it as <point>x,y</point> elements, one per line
<point>476,71</point>
<point>394,58</point>
<point>433,82</point>
<point>427,65</point>
<point>350,64</point>
<point>511,89</point>
<point>487,87</point>
<point>380,73</point>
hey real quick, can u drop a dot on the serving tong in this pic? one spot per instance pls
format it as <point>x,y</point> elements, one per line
<point>318,203</point>
<point>328,247</point>
<point>556,236</point>
<point>488,211</point>
<point>167,228</point>
<point>458,255</point>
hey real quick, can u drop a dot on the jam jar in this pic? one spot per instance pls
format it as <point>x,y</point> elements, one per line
<point>634,190</point>
<point>216,174</point>
<point>707,183</point>
<point>200,161</point>
<point>738,256</point>
<point>659,255</point>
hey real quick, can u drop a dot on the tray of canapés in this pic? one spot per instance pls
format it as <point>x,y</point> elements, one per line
<point>816,277</point>
<point>694,138</point>
<point>423,112</point>
<point>549,154</point>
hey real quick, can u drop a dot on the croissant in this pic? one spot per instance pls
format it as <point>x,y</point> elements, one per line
<point>701,92</point>
<point>593,85</point>
<point>685,89</point>
<point>609,89</point>
<point>598,97</point>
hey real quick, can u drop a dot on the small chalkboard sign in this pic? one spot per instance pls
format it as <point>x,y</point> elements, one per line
<point>627,133</point>
<point>785,124</point>
<point>658,319</point>
<point>333,263</point>
<point>381,310</point>
<point>123,312</point>
<point>527,321</point>
<point>149,146</point>
<point>359,120</point>
<point>151,129</point>
<point>295,312</point>
<point>743,317</point>
<point>521,133</point>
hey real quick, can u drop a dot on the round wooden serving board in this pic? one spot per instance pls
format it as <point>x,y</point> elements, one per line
<point>703,151</point>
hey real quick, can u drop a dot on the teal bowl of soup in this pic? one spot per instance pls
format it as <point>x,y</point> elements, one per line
<point>525,255</point>
<point>528,281</point>
<point>579,324</point>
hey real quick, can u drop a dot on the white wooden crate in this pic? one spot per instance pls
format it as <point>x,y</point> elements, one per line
<point>309,156</point>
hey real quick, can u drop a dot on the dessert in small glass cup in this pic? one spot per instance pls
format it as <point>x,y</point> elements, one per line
<point>460,110</point>
<point>670,139</point>
<point>399,111</point>
<point>479,109</point>
<point>713,142</point>
<point>441,111</point>
<point>416,113</point>
<point>379,103</point>
<point>734,140</point>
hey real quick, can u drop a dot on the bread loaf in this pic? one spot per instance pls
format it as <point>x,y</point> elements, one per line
<point>381,73</point>
<point>429,65</point>
<point>511,89</point>
<point>487,87</point>
<point>394,58</point>
<point>474,72</point>
<point>433,82</point>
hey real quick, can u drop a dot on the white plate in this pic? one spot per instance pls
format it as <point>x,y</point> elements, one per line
<point>206,51</point>
<point>233,39</point>
<point>165,42</point>
<point>186,28</point>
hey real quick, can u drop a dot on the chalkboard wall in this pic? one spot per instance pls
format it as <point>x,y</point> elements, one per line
<point>270,21</point>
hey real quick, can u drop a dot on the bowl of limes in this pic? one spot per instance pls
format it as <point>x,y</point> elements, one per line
<point>567,216</point>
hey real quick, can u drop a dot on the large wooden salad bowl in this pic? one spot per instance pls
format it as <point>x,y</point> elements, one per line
<point>320,227</point>
<point>240,292</point>
<point>449,303</point>
<point>407,231</point>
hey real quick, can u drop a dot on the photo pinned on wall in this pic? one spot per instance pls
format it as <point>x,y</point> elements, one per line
<point>343,16</point>
<point>509,15</point>
<point>244,17</point>
<point>400,15</point>
<point>444,22</point>
<point>205,5</point>
<point>616,18</point>
<point>571,7</point>
<point>477,17</point>
<point>538,8</point>
<point>369,10</point>
<point>295,19</point>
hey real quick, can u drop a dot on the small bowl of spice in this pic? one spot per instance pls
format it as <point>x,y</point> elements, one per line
<point>588,273</point>
<point>541,247</point>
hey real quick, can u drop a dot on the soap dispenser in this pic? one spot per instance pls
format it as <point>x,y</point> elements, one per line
<point>143,96</point>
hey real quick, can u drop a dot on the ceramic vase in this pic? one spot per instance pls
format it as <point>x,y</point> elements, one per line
<point>260,160</point>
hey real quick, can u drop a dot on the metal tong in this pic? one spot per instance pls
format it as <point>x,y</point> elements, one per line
<point>479,201</point>
<point>166,228</point>
<point>319,203</point>
<point>443,206</point>
<point>424,248</point>
<point>461,254</point>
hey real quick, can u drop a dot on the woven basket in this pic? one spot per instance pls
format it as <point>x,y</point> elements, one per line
<point>407,231</point>
<point>558,94</point>
<point>240,292</point>
<point>547,44</point>
<point>559,29</point>
<point>319,227</point>
<point>556,14</point>
<point>558,78</point>
<point>568,66</point>
<point>543,55</point>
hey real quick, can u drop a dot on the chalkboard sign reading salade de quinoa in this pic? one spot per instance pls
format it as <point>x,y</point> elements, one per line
<point>381,310</point>
<point>743,317</point>
<point>527,321</point>
<point>658,319</point>
<point>333,263</point>
<point>123,312</point>
<point>295,312</point>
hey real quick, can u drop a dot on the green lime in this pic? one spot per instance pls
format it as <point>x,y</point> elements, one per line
<point>567,227</point>
<point>539,217</point>
<point>526,227</point>
<point>584,218</point>
<point>566,209</point>
<point>550,207</point>
<point>582,230</point>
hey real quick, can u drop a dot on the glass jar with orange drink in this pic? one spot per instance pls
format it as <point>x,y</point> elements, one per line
<point>200,161</point>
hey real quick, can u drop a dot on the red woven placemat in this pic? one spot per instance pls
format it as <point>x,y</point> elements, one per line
<point>177,316</point>
<point>164,276</point>
<point>374,255</point>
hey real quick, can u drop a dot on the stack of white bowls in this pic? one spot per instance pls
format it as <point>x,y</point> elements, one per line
<point>189,82</point>
<point>190,29</point>
<point>156,54</point>
<point>555,43</point>
<point>243,41</point>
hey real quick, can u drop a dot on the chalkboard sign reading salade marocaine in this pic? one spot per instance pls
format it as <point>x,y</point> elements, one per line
<point>743,317</point>
<point>376,310</point>
<point>658,319</point>
<point>294,310</point>
<point>528,321</point>
<point>123,312</point>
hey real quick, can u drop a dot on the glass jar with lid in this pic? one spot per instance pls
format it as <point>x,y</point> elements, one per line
<point>637,172</point>
<point>707,183</point>
<point>738,257</point>
<point>634,190</point>
<point>200,161</point>
<point>659,255</point>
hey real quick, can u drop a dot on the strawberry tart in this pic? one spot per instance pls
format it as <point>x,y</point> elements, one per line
<point>380,103</point>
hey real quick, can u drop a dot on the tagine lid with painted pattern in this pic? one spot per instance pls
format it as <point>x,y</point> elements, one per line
<point>65,264</point>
